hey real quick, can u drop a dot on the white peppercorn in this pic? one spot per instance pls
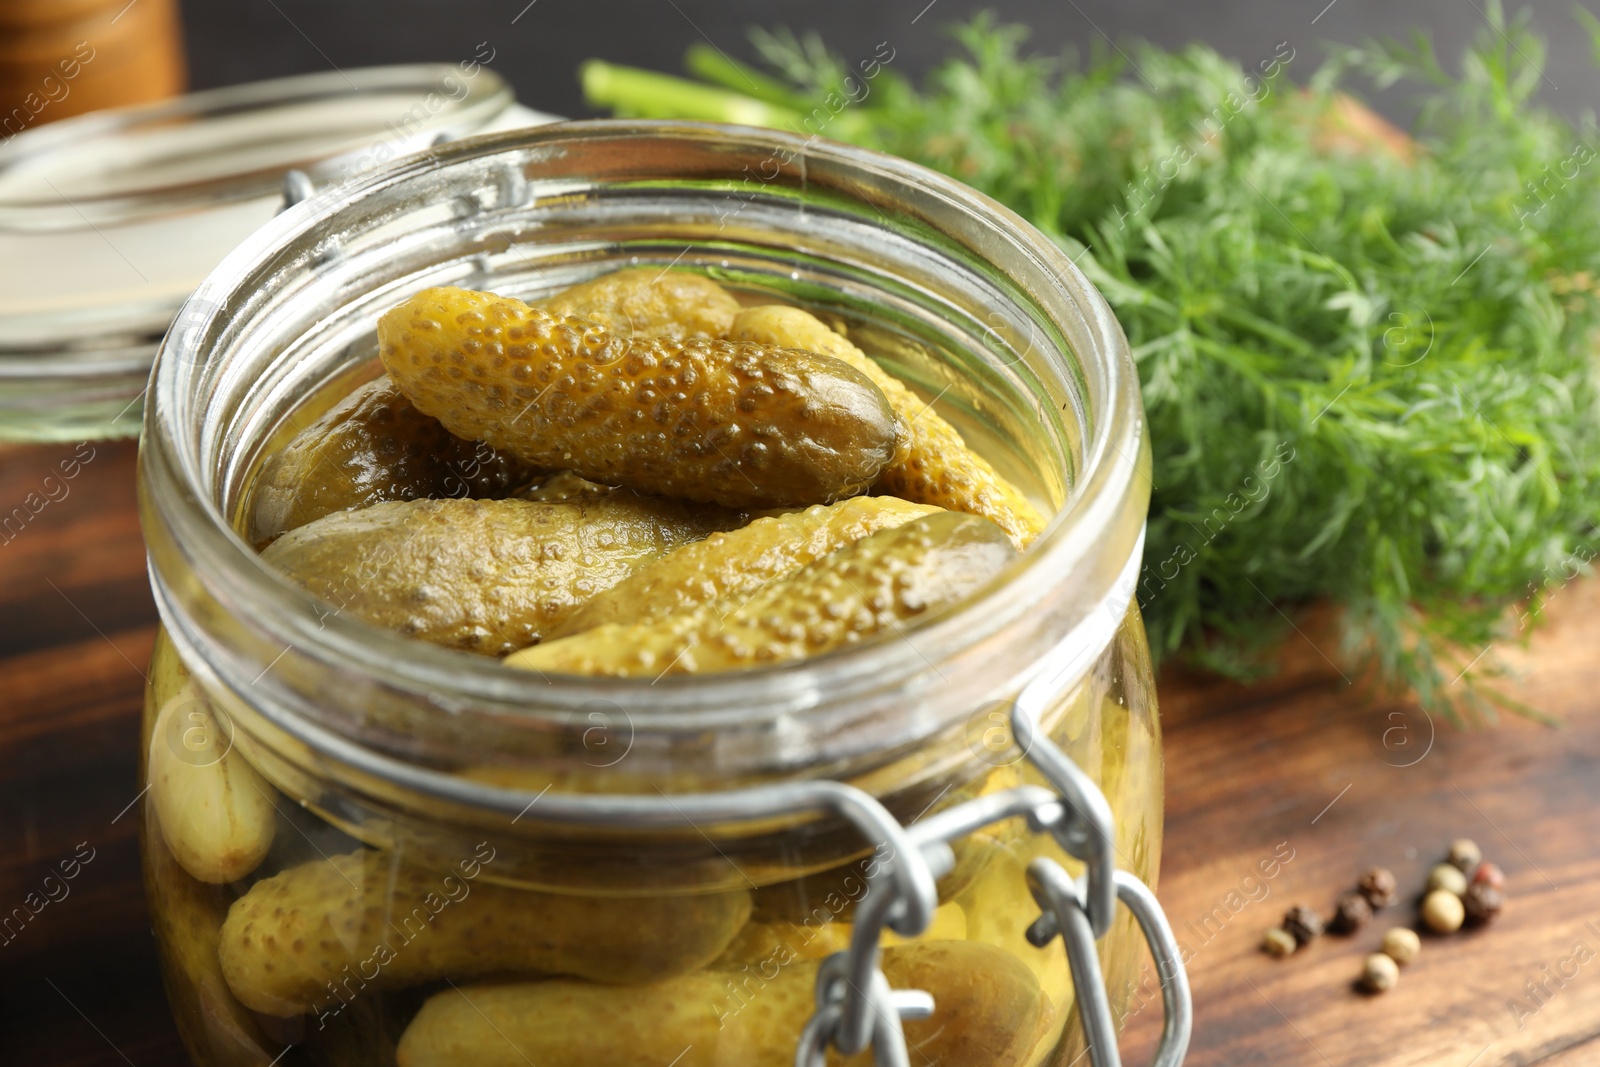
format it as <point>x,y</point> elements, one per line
<point>1448,878</point>
<point>1465,855</point>
<point>1379,973</point>
<point>1401,944</point>
<point>1442,911</point>
<point>1279,942</point>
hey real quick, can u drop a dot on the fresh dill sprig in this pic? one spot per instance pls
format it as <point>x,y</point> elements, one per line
<point>1366,360</point>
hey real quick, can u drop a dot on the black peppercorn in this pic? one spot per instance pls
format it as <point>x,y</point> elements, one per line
<point>1351,914</point>
<point>1377,885</point>
<point>1303,923</point>
<point>1482,902</point>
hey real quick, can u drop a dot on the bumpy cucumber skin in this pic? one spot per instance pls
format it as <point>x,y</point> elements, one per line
<point>873,585</point>
<point>647,302</point>
<point>735,564</point>
<point>292,942</point>
<point>989,1013</point>
<point>737,424</point>
<point>934,465</point>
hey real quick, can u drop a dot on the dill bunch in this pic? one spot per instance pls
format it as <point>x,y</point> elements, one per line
<point>1366,360</point>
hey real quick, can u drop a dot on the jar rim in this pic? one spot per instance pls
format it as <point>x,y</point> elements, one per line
<point>1107,497</point>
<point>119,212</point>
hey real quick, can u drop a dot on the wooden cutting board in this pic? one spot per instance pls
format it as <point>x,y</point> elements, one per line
<point>1298,764</point>
<point>1303,760</point>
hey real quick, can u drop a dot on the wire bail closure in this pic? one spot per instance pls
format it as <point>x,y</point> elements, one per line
<point>856,1008</point>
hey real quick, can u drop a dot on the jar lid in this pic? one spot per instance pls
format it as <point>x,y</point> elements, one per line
<point>109,220</point>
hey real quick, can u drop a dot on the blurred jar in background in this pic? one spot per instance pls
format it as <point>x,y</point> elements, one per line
<point>65,57</point>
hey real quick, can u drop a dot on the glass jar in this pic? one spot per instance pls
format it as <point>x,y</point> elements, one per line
<point>356,843</point>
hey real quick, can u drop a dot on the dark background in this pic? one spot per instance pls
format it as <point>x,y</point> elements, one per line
<point>539,45</point>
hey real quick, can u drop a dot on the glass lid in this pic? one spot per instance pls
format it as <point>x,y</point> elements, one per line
<point>109,220</point>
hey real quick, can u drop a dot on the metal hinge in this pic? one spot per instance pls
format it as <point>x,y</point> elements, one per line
<point>857,1010</point>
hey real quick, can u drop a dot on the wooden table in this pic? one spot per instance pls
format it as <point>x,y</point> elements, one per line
<point>1297,764</point>
<point>1303,764</point>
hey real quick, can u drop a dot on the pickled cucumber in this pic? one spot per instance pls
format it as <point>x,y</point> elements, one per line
<point>188,916</point>
<point>324,931</point>
<point>829,897</point>
<point>989,1013</point>
<point>647,302</point>
<point>215,811</point>
<point>733,565</point>
<point>936,466</point>
<point>1000,908</point>
<point>876,583</point>
<point>760,942</point>
<point>373,446</point>
<point>485,576</point>
<point>709,420</point>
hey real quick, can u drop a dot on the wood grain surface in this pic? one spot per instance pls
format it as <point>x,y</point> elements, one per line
<point>1299,764</point>
<point>1348,784</point>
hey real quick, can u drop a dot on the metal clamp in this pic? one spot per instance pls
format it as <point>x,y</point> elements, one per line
<point>856,1008</point>
<point>297,186</point>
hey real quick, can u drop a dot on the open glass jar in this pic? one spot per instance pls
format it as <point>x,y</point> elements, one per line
<point>361,849</point>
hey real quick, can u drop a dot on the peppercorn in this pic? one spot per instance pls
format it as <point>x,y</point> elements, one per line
<point>1442,911</point>
<point>1377,885</point>
<point>1350,914</point>
<point>1379,973</point>
<point>1482,902</point>
<point>1303,923</point>
<point>1401,945</point>
<point>1279,942</point>
<point>1448,878</point>
<point>1489,874</point>
<point>1465,854</point>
